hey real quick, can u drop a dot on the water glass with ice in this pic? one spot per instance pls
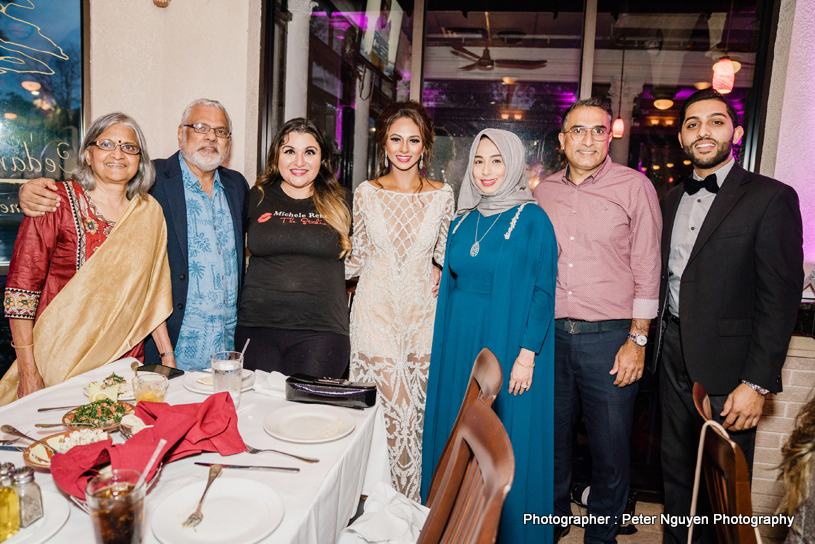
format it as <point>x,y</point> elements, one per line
<point>227,373</point>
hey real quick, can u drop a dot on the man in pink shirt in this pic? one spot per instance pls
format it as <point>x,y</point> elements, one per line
<point>608,225</point>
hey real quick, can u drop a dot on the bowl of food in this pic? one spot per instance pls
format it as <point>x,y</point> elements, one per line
<point>101,414</point>
<point>38,456</point>
<point>150,387</point>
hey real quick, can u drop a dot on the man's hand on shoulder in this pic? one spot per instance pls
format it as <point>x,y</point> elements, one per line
<point>742,409</point>
<point>38,196</point>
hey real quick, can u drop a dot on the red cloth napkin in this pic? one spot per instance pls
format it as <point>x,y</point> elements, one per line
<point>189,429</point>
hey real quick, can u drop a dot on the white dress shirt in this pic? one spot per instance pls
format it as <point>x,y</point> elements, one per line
<point>690,215</point>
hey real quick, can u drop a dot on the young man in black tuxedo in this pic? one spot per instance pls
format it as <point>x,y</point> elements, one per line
<point>732,276</point>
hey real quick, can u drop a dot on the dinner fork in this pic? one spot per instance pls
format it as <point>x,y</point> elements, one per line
<point>250,449</point>
<point>196,517</point>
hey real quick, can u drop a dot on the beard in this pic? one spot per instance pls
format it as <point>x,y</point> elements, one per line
<point>723,150</point>
<point>203,161</point>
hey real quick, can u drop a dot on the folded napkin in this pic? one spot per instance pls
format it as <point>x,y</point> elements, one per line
<point>272,384</point>
<point>390,517</point>
<point>189,429</point>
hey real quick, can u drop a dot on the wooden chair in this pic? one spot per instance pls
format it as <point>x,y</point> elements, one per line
<point>728,484</point>
<point>467,507</point>
<point>702,401</point>
<point>485,382</point>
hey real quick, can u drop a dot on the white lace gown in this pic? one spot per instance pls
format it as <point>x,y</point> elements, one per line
<point>396,238</point>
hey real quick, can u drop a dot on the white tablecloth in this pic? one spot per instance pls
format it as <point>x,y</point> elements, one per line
<point>319,500</point>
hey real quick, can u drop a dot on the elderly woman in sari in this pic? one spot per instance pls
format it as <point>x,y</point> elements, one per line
<point>497,291</point>
<point>88,283</point>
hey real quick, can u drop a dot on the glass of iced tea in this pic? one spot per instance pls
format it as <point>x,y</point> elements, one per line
<point>150,387</point>
<point>117,507</point>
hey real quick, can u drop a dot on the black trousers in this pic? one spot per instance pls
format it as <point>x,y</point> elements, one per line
<point>582,365</point>
<point>316,353</point>
<point>681,425</point>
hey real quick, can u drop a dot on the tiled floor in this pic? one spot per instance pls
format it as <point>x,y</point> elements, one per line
<point>646,534</point>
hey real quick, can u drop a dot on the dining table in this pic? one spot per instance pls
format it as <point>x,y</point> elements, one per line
<point>318,501</point>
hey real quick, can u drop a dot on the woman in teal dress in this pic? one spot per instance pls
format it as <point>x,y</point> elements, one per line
<point>498,291</point>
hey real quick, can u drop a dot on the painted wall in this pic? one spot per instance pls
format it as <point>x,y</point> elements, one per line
<point>151,62</point>
<point>788,153</point>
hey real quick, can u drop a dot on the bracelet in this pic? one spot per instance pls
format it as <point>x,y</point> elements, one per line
<point>163,355</point>
<point>523,365</point>
<point>21,347</point>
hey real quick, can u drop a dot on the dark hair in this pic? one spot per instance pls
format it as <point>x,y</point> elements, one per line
<point>417,113</point>
<point>592,102</point>
<point>798,460</point>
<point>708,94</point>
<point>329,196</point>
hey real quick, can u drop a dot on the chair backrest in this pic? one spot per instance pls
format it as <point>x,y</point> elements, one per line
<point>485,382</point>
<point>467,507</point>
<point>728,483</point>
<point>702,401</point>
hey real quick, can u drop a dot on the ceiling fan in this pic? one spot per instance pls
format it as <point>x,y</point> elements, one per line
<point>486,62</point>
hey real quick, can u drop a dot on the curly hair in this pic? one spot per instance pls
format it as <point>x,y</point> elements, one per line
<point>329,196</point>
<point>409,109</point>
<point>797,466</point>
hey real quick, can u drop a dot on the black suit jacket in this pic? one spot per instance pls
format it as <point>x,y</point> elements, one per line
<point>739,294</point>
<point>169,191</point>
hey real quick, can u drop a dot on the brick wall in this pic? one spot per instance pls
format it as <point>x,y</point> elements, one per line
<point>776,425</point>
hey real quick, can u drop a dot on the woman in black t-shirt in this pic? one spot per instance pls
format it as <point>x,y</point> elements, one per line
<point>293,303</point>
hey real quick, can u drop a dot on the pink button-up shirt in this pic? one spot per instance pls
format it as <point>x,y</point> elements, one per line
<point>608,232</point>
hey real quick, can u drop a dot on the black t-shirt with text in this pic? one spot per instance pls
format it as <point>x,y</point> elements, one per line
<point>295,279</point>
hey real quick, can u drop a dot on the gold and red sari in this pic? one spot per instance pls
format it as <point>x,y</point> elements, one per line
<point>94,289</point>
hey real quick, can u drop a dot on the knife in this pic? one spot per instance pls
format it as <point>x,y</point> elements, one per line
<point>250,467</point>
<point>18,449</point>
<point>58,408</point>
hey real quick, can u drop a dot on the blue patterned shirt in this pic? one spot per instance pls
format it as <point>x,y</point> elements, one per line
<point>211,312</point>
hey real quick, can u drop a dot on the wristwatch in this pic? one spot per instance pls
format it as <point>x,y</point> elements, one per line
<point>639,339</point>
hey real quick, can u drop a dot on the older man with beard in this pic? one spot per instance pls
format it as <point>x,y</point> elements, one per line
<point>204,206</point>
<point>732,274</point>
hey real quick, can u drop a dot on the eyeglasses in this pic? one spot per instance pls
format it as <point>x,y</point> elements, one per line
<point>108,145</point>
<point>202,128</point>
<point>598,134</point>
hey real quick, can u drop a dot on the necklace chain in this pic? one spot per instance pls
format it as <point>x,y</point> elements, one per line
<point>477,246</point>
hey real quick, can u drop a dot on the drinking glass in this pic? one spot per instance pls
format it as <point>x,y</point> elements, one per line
<point>227,374</point>
<point>117,507</point>
<point>149,387</point>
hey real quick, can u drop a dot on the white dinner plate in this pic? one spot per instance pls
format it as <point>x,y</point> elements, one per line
<point>309,423</point>
<point>236,510</point>
<point>55,513</point>
<point>191,381</point>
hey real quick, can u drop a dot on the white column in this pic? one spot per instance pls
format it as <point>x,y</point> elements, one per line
<point>297,36</point>
<point>362,108</point>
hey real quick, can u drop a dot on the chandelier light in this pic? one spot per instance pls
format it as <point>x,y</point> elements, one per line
<point>618,127</point>
<point>724,75</point>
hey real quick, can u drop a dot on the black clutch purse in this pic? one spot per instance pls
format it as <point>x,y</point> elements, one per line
<point>303,388</point>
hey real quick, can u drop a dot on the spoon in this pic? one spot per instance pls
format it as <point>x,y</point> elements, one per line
<point>135,366</point>
<point>8,429</point>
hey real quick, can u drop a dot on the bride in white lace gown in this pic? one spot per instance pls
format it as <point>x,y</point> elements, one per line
<point>400,229</point>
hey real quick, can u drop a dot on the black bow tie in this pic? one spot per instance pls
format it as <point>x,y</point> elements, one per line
<point>693,185</point>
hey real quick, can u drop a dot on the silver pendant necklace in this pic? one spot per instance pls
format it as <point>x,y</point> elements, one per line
<point>476,245</point>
